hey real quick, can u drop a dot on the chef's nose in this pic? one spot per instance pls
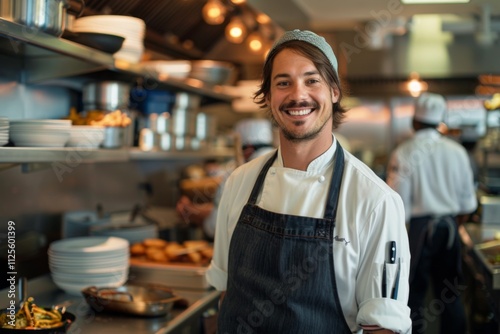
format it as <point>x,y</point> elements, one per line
<point>298,92</point>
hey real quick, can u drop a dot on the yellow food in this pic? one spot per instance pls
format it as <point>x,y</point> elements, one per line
<point>197,252</point>
<point>116,118</point>
<point>30,316</point>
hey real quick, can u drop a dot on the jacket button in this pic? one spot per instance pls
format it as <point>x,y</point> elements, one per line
<point>321,179</point>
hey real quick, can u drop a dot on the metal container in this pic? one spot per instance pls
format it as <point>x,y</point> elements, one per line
<point>183,122</point>
<point>213,72</point>
<point>106,95</point>
<point>187,101</point>
<point>113,137</point>
<point>206,126</point>
<point>48,16</point>
<point>137,299</point>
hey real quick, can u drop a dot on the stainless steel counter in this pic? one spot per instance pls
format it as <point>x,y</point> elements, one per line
<point>180,320</point>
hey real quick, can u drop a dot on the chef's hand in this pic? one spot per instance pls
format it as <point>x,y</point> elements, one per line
<point>193,213</point>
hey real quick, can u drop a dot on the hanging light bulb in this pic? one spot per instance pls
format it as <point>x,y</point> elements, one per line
<point>214,12</point>
<point>263,18</point>
<point>238,2</point>
<point>254,42</point>
<point>236,30</point>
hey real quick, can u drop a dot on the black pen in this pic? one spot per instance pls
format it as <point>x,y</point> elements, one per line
<point>384,282</point>
<point>392,252</point>
<point>395,289</point>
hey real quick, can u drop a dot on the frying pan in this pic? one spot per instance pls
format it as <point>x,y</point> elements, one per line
<point>147,300</point>
<point>67,318</point>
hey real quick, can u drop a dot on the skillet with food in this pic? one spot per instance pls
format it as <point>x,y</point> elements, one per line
<point>31,318</point>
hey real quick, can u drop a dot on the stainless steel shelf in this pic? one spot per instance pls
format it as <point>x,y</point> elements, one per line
<point>137,154</point>
<point>70,155</point>
<point>48,57</point>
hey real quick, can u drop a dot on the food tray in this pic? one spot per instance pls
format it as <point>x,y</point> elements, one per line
<point>184,276</point>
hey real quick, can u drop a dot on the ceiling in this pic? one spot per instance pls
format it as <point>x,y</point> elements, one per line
<point>332,15</point>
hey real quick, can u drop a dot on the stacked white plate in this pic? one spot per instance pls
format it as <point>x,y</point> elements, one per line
<point>86,136</point>
<point>40,132</point>
<point>4,131</point>
<point>132,28</point>
<point>76,263</point>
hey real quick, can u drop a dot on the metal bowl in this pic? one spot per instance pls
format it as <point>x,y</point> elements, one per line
<point>213,72</point>
<point>148,300</point>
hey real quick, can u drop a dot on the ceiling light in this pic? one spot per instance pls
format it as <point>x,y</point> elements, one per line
<point>236,30</point>
<point>254,41</point>
<point>214,12</point>
<point>418,2</point>
<point>238,2</point>
<point>263,18</point>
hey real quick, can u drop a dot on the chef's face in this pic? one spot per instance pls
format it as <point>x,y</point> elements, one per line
<point>300,99</point>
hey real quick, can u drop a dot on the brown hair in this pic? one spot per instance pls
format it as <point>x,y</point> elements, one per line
<point>319,60</point>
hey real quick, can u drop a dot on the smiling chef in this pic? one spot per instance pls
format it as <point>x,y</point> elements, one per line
<point>308,238</point>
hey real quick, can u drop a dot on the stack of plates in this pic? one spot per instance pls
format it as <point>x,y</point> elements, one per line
<point>132,28</point>
<point>76,263</point>
<point>4,131</point>
<point>86,136</point>
<point>39,132</point>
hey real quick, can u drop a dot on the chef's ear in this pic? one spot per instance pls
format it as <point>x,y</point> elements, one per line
<point>335,94</point>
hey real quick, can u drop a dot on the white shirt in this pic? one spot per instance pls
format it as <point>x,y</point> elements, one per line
<point>433,175</point>
<point>369,215</point>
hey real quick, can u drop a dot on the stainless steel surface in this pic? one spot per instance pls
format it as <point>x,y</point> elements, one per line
<point>187,101</point>
<point>39,15</point>
<point>206,126</point>
<point>98,322</point>
<point>47,57</point>
<point>490,209</point>
<point>49,155</point>
<point>113,137</point>
<point>183,122</point>
<point>137,299</point>
<point>106,95</point>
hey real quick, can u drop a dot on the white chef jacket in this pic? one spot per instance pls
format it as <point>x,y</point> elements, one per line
<point>433,175</point>
<point>369,215</point>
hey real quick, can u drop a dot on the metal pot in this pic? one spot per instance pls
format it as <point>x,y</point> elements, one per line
<point>106,95</point>
<point>48,16</point>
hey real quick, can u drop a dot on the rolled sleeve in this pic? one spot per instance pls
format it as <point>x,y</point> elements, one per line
<point>216,277</point>
<point>386,313</point>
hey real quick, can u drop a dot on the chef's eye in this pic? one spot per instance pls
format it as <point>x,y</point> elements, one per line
<point>313,81</point>
<point>282,83</point>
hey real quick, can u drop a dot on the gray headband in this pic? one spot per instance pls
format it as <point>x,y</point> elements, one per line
<point>311,38</point>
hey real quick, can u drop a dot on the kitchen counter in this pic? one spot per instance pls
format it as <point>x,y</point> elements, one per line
<point>485,276</point>
<point>180,320</point>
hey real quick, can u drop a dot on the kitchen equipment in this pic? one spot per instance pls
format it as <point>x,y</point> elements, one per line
<point>47,16</point>
<point>206,126</point>
<point>213,72</point>
<point>76,263</point>
<point>113,137</point>
<point>131,231</point>
<point>490,209</point>
<point>132,28</point>
<point>106,95</point>
<point>183,276</point>
<point>67,319</point>
<point>187,101</point>
<point>137,299</point>
<point>86,136</point>
<point>104,42</point>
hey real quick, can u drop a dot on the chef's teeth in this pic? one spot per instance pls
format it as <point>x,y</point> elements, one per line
<point>299,112</point>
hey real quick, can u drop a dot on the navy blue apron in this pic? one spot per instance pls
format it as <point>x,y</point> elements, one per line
<point>281,276</point>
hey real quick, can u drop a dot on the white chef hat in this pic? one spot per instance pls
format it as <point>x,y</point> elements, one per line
<point>255,131</point>
<point>430,108</point>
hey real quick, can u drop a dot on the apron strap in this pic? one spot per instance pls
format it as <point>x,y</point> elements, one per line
<point>332,199</point>
<point>260,179</point>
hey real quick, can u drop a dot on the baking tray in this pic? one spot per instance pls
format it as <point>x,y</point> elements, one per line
<point>148,300</point>
<point>184,276</point>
